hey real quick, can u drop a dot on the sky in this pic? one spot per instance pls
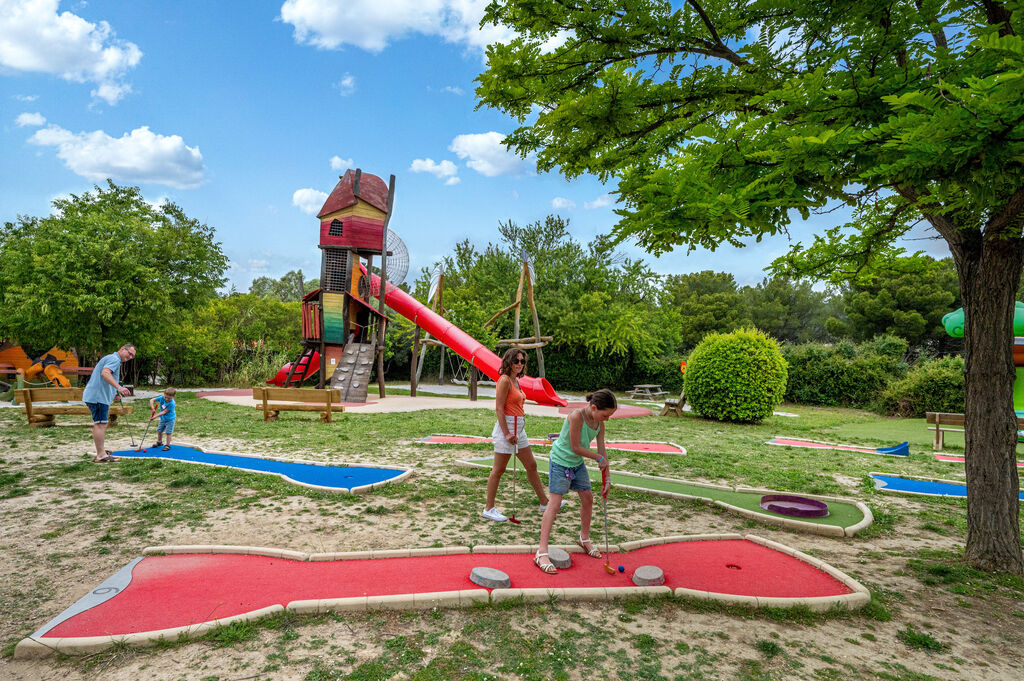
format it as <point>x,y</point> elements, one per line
<point>245,114</point>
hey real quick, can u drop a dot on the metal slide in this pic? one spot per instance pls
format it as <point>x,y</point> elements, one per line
<point>467,347</point>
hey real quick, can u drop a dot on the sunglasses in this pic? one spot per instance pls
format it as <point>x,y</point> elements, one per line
<point>519,361</point>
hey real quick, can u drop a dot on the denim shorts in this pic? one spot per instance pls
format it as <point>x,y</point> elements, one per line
<point>100,411</point>
<point>165,426</point>
<point>562,479</point>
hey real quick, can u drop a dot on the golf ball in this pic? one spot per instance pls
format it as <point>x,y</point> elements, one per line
<point>622,568</point>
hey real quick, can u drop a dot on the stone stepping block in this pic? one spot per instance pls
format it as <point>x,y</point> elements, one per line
<point>648,575</point>
<point>559,558</point>
<point>490,578</point>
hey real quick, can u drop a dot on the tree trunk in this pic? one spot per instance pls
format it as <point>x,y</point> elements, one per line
<point>989,271</point>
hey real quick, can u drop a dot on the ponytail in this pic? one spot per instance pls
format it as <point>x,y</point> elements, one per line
<point>603,399</point>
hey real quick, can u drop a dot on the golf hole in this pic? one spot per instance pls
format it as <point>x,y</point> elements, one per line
<point>733,566</point>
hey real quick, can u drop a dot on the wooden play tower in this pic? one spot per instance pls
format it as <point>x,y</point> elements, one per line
<point>338,320</point>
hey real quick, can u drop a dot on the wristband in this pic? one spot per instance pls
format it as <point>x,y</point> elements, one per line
<point>600,460</point>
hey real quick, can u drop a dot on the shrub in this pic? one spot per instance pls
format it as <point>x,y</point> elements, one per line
<point>844,374</point>
<point>932,385</point>
<point>738,376</point>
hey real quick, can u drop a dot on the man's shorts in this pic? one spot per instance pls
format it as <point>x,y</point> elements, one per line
<point>100,412</point>
<point>562,479</point>
<point>517,425</point>
<point>165,426</point>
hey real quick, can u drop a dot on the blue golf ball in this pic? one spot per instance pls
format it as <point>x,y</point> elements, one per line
<point>622,569</point>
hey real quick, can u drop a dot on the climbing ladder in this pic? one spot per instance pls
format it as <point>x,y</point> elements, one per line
<point>353,372</point>
<point>297,371</point>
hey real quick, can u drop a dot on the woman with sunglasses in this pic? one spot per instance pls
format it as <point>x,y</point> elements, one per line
<point>509,434</point>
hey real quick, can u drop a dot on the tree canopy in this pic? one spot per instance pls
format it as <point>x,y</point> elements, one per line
<point>105,268</point>
<point>722,121</point>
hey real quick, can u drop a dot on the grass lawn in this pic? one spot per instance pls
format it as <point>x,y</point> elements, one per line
<point>68,524</point>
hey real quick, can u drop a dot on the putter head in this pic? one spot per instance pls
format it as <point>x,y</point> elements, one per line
<point>513,519</point>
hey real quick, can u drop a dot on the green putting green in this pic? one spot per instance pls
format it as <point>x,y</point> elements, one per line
<point>842,515</point>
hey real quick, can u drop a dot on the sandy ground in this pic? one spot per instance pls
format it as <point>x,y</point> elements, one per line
<point>984,634</point>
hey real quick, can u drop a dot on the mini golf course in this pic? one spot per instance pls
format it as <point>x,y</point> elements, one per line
<point>352,479</point>
<point>902,449</point>
<point>644,446</point>
<point>846,517</point>
<point>176,591</point>
<point>887,482</point>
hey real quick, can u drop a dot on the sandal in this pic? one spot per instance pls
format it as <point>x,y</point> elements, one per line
<point>106,459</point>
<point>592,552</point>
<point>548,567</point>
<point>165,448</point>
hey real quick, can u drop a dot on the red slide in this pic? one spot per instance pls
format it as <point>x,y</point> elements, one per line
<point>467,347</point>
<point>311,367</point>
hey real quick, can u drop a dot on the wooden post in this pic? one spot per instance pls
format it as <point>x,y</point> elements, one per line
<point>473,373</point>
<point>536,329</point>
<point>383,287</point>
<point>519,302</point>
<point>412,363</point>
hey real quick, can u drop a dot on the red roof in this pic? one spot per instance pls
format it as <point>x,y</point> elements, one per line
<point>372,190</point>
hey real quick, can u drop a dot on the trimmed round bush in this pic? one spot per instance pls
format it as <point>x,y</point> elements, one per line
<point>738,376</point>
<point>932,385</point>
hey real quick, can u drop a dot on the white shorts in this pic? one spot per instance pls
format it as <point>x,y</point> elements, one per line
<point>517,425</point>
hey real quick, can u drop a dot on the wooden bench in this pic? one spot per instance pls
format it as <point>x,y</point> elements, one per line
<point>276,400</point>
<point>943,423</point>
<point>42,415</point>
<point>674,405</point>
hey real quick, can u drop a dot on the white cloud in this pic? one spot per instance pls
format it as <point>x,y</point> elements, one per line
<point>452,181</point>
<point>439,170</point>
<point>599,202</point>
<point>139,156</point>
<point>372,24</point>
<point>454,89</point>
<point>347,85</point>
<point>559,203</point>
<point>486,154</point>
<point>309,201</point>
<point>32,119</point>
<point>36,39</point>
<point>339,163</point>
<point>26,98</point>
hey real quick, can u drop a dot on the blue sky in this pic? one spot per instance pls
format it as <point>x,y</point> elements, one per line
<point>245,114</point>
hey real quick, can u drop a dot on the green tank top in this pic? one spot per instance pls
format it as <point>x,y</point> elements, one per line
<point>561,450</point>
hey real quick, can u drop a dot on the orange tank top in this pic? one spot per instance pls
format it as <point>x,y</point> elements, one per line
<point>514,400</point>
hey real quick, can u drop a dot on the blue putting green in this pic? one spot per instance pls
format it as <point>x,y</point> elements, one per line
<point>935,488</point>
<point>318,476</point>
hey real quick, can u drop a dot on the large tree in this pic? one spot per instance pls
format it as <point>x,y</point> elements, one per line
<point>722,120</point>
<point>105,268</point>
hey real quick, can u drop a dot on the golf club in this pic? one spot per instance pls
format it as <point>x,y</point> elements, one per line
<point>145,433</point>
<point>604,506</point>
<point>512,518</point>
<point>117,398</point>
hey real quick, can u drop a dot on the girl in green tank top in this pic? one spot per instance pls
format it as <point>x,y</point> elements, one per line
<point>568,471</point>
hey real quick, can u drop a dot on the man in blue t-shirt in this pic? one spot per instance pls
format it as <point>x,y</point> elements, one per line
<point>103,386</point>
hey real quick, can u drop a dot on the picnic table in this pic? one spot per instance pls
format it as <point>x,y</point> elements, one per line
<point>648,391</point>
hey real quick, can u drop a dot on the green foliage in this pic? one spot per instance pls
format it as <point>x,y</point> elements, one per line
<point>931,385</point>
<point>707,302</point>
<point>104,269</point>
<point>288,289</point>
<point>844,374</point>
<point>906,297</point>
<point>738,376</point>
<point>788,309</point>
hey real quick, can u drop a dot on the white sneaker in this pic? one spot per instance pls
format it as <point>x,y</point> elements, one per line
<point>544,507</point>
<point>494,514</point>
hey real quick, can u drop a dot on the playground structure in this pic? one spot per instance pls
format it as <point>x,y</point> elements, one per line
<point>342,334</point>
<point>338,322</point>
<point>527,275</point>
<point>50,368</point>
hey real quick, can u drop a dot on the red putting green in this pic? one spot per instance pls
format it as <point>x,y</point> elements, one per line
<point>162,592</point>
